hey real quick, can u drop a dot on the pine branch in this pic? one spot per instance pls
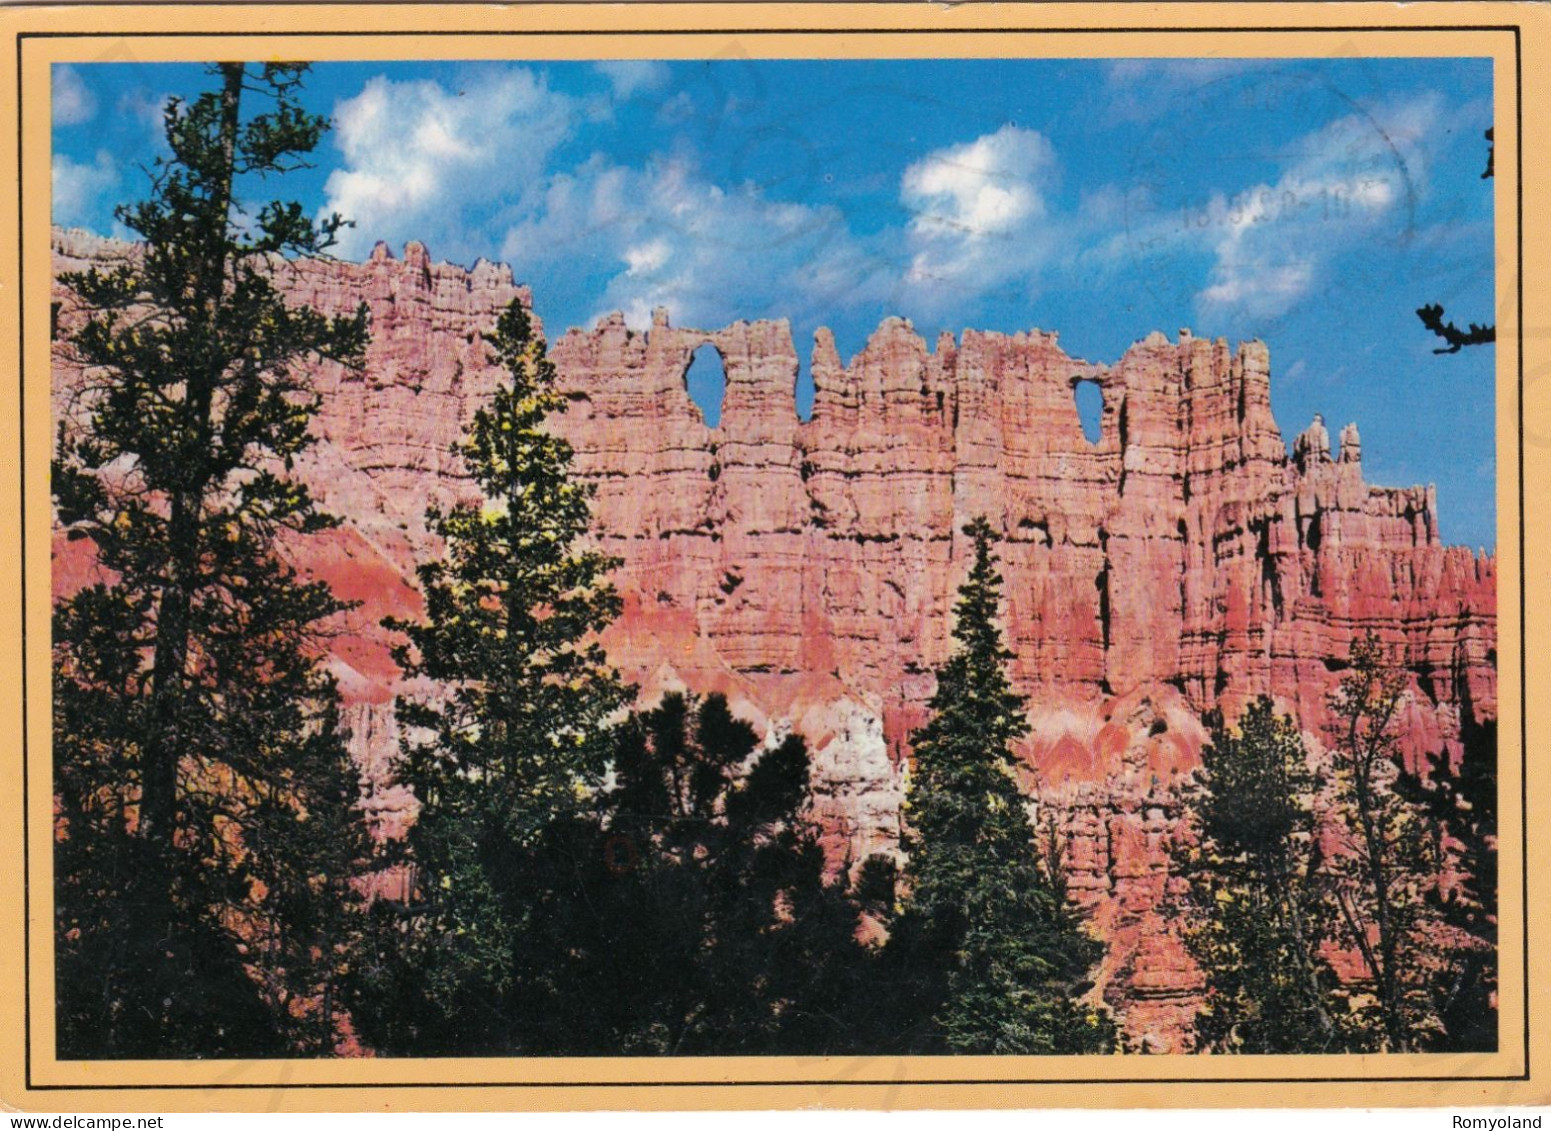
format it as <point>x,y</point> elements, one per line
<point>1457,339</point>
<point>1432,314</point>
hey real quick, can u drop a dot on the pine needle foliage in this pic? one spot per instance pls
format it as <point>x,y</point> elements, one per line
<point>1460,801</point>
<point>506,756</point>
<point>1001,958</point>
<point>1257,913</point>
<point>206,836</point>
<point>1381,884</point>
<point>1321,913</point>
<point>718,887</point>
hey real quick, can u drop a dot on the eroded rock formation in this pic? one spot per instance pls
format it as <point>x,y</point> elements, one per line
<point>808,569</point>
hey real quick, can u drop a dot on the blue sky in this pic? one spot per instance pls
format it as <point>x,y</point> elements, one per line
<point>1311,203</point>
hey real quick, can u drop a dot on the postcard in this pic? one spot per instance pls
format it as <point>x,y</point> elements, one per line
<point>731,556</point>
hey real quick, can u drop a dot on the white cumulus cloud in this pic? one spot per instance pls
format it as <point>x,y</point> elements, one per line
<point>980,189</point>
<point>983,216</point>
<point>647,258</point>
<point>1274,239</point>
<point>424,162</point>
<point>1269,244</point>
<point>979,213</point>
<point>664,235</point>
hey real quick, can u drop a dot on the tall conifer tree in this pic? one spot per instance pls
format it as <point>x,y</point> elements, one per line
<point>1000,958</point>
<point>1381,884</point>
<point>1259,916</point>
<point>203,794</point>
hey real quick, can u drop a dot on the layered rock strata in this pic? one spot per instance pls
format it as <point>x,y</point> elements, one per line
<point>808,569</point>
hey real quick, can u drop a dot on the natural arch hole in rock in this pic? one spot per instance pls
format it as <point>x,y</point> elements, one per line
<point>706,380</point>
<point>802,390</point>
<point>1090,408</point>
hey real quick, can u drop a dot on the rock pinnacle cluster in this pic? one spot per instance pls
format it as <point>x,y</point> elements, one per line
<point>1187,561</point>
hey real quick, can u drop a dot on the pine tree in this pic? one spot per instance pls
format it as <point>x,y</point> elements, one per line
<point>718,889</point>
<point>1289,871</point>
<point>1380,884</point>
<point>506,756</point>
<point>998,957</point>
<point>203,794</point>
<point>1461,802</point>
<point>1255,905</point>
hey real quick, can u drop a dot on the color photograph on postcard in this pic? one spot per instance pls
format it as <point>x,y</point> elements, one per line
<point>773,557</point>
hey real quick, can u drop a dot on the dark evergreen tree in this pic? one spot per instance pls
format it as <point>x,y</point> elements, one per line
<point>506,757</point>
<point>1270,906</point>
<point>734,942</point>
<point>1380,883</point>
<point>987,954</point>
<point>206,834</point>
<point>1461,801</point>
<point>1255,907</point>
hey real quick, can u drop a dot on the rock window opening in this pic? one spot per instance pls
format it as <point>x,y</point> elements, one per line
<point>1090,408</point>
<point>803,391</point>
<point>706,382</point>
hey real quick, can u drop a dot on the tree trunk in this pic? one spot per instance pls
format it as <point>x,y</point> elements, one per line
<point>164,747</point>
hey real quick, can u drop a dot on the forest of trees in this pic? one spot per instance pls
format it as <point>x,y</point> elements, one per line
<point>588,875</point>
<point>1316,909</point>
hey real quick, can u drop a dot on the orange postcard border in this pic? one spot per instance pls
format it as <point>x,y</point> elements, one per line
<point>835,1088</point>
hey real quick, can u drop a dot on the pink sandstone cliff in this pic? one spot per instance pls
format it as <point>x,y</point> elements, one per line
<point>808,569</point>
